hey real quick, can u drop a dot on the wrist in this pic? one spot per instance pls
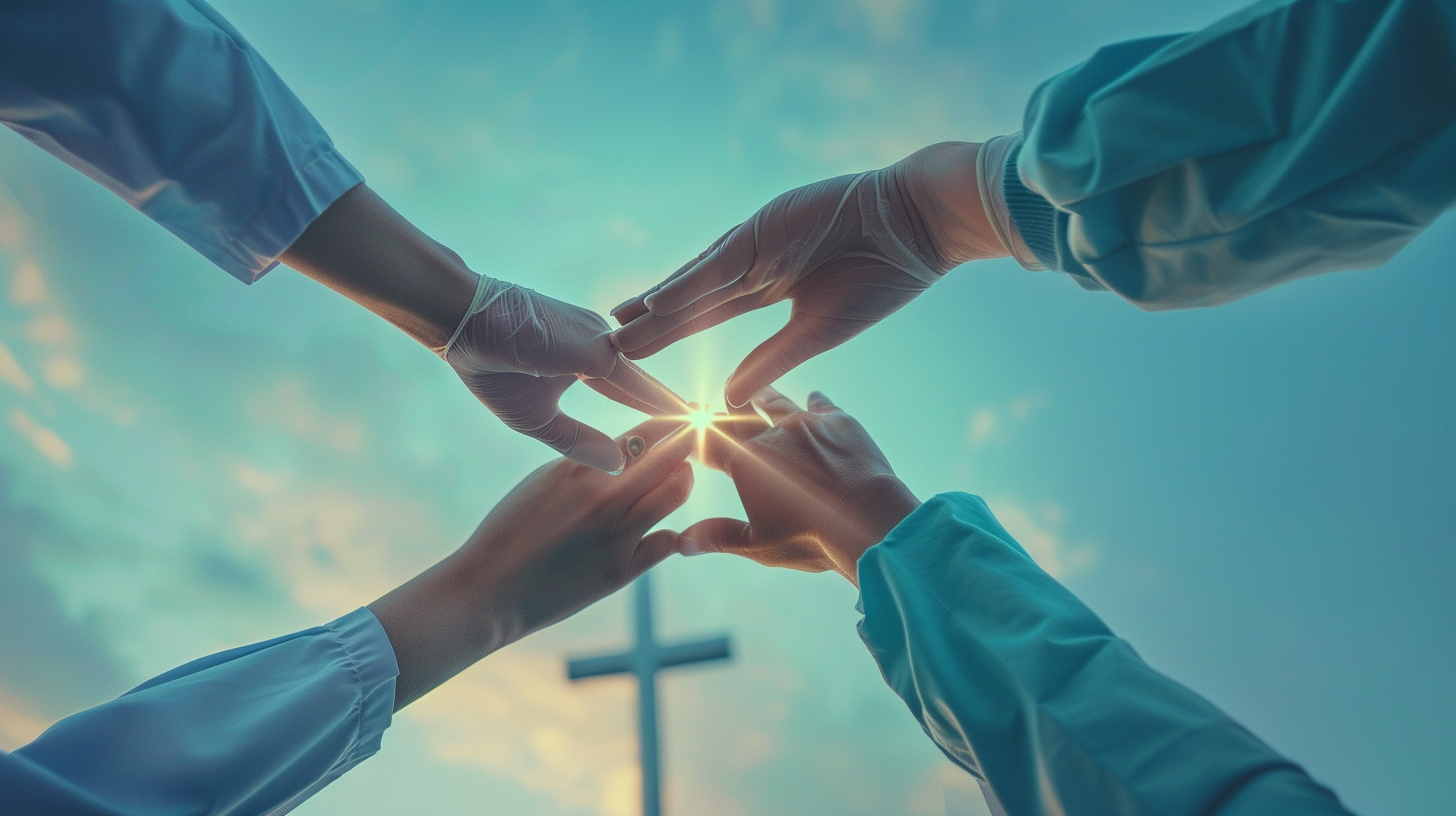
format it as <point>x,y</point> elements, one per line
<point>945,190</point>
<point>363,249</point>
<point>885,503</point>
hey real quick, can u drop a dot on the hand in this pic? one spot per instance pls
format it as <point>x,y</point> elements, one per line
<point>518,351</point>
<point>847,251</point>
<point>565,537</point>
<point>817,490</point>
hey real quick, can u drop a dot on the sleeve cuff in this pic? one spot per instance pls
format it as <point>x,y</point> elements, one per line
<point>370,656</point>
<point>303,196</point>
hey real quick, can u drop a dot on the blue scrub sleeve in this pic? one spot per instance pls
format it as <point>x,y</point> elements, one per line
<point>253,730</point>
<point>165,104</point>
<point>1020,684</point>
<point>1292,138</point>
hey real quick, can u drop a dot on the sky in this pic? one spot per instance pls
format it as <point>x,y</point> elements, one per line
<point>1259,497</point>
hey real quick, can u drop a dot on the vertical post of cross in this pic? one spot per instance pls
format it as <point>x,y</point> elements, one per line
<point>644,660</point>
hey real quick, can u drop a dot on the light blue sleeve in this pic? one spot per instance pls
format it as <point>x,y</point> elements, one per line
<point>1292,138</point>
<point>1023,686</point>
<point>254,730</point>
<point>165,104</point>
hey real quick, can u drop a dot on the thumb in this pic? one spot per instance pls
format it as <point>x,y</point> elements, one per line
<point>799,340</point>
<point>714,535</point>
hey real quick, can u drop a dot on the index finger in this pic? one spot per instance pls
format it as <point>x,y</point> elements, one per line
<point>668,444</point>
<point>645,388</point>
<point>727,263</point>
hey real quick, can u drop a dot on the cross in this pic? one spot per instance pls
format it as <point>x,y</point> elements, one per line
<point>645,659</point>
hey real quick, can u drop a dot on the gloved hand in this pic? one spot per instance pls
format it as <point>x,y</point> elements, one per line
<point>847,251</point>
<point>817,490</point>
<point>518,351</point>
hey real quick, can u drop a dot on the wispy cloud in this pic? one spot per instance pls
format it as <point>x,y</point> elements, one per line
<point>46,441</point>
<point>12,373</point>
<point>1038,530</point>
<point>992,422</point>
<point>54,662</point>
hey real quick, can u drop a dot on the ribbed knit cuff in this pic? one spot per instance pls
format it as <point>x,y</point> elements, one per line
<point>993,160</point>
<point>1034,218</point>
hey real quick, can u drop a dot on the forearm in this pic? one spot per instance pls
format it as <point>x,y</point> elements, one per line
<point>363,249</point>
<point>1022,685</point>
<point>440,623</point>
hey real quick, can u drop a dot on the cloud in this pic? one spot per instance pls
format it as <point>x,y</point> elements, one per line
<point>27,287</point>
<point>990,423</point>
<point>63,371</point>
<point>54,663</point>
<point>983,426</point>
<point>516,714</point>
<point>50,330</point>
<point>1036,530</point>
<point>12,373</point>
<point>46,441</point>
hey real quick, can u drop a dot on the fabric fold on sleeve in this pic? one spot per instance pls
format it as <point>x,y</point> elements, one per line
<point>164,103</point>
<point>1288,139</point>
<point>1020,684</point>
<point>252,730</point>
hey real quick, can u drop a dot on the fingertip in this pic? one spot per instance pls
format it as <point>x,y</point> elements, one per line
<point>820,403</point>
<point>594,449</point>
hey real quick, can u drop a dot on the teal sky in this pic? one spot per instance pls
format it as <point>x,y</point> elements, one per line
<point>1260,497</point>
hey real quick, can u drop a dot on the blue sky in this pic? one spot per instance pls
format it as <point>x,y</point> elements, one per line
<point>1259,497</point>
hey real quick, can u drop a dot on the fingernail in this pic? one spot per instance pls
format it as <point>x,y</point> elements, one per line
<point>689,548</point>
<point>602,454</point>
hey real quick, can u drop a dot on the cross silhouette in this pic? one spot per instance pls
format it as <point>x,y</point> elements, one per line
<point>645,659</point>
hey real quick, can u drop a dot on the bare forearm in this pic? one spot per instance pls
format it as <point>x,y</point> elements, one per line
<point>363,249</point>
<point>439,624</point>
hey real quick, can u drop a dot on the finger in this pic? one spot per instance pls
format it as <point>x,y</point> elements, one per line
<point>616,394</point>
<point>643,387</point>
<point>632,308</point>
<point>714,535</point>
<point>664,497</point>
<point>796,342</point>
<point>819,403</point>
<point>654,430</point>
<point>652,549</point>
<point>725,264</point>
<point>637,346</point>
<point>777,406</point>
<point>581,443</point>
<point>660,460</point>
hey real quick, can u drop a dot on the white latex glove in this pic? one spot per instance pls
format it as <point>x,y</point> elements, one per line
<point>518,351</point>
<point>847,251</point>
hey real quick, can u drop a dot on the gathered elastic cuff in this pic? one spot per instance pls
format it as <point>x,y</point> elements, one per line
<point>371,656</point>
<point>301,198</point>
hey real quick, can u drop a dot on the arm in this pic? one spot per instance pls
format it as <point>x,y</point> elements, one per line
<point>1022,685</point>
<point>1293,138</point>
<point>165,104</point>
<point>1013,677</point>
<point>261,728</point>
<point>1289,139</point>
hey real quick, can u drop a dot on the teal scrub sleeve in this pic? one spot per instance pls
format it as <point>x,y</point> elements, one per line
<point>253,730</point>
<point>165,104</point>
<point>1290,139</point>
<point>1020,684</point>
